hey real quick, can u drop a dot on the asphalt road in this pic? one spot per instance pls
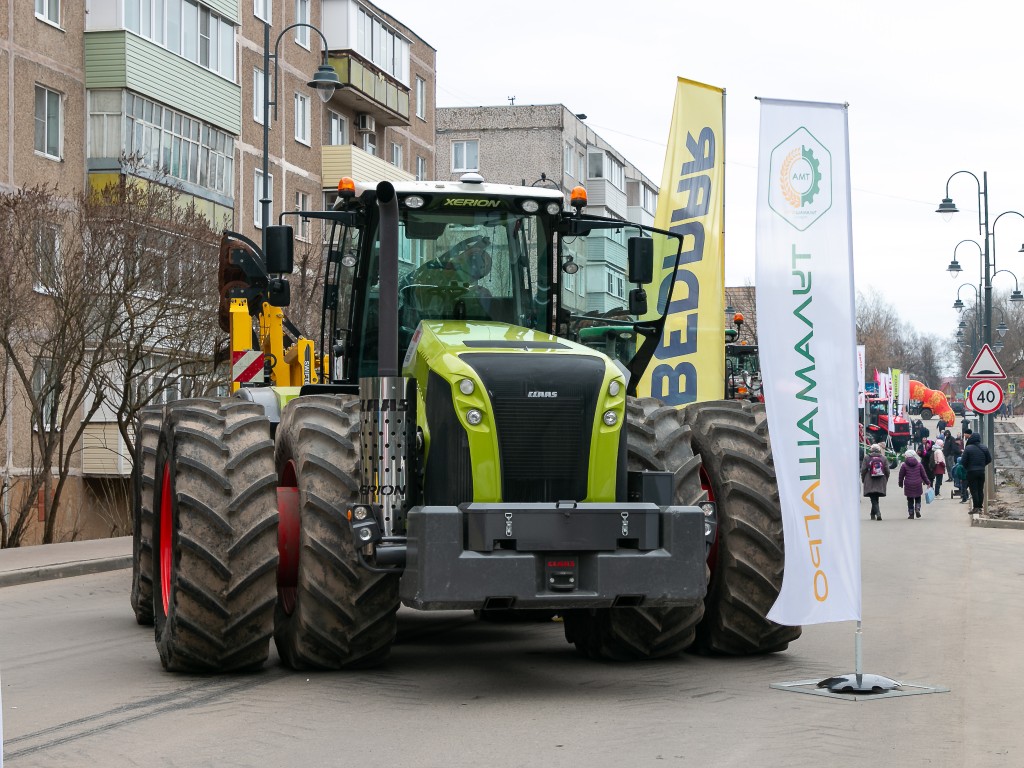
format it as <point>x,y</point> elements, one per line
<point>943,605</point>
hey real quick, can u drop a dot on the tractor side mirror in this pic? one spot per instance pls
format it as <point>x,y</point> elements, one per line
<point>638,302</point>
<point>280,255</point>
<point>640,256</point>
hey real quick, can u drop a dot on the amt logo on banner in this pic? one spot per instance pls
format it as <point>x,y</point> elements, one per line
<point>800,186</point>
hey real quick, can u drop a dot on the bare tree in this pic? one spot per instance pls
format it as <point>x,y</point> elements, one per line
<point>54,326</point>
<point>107,304</point>
<point>162,257</point>
<point>891,342</point>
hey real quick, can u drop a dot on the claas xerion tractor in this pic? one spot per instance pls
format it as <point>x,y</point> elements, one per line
<point>447,444</point>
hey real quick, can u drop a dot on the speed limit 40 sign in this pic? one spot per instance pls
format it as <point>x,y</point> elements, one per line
<point>986,396</point>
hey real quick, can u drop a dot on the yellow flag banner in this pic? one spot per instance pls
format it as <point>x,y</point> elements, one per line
<point>689,361</point>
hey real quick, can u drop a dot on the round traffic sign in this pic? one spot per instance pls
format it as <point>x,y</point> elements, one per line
<point>986,396</point>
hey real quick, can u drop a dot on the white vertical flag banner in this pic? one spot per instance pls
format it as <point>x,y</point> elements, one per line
<point>894,380</point>
<point>861,389</point>
<point>805,303</point>
<point>904,396</point>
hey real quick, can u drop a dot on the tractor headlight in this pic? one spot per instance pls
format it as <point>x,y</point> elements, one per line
<point>474,417</point>
<point>611,418</point>
<point>553,208</point>
<point>530,206</point>
<point>467,387</point>
<point>414,201</point>
<point>614,388</point>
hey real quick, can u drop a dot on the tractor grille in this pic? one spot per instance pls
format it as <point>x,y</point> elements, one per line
<point>544,441</point>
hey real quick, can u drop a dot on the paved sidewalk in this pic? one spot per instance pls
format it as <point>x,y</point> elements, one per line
<point>22,565</point>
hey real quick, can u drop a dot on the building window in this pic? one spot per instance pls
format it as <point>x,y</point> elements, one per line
<point>48,122</point>
<point>620,286</point>
<point>46,244</point>
<point>48,10</point>
<point>581,166</point>
<point>604,166</point>
<point>257,208</point>
<point>257,95</point>
<point>302,17</point>
<point>44,390</point>
<point>650,198</point>
<point>616,173</point>
<point>262,9</point>
<point>106,114</point>
<point>187,29</point>
<point>337,129</point>
<point>396,155</point>
<point>421,168</point>
<point>421,98</point>
<point>370,143</point>
<point>302,204</point>
<point>465,156</point>
<point>611,281</point>
<point>378,43</point>
<point>568,159</point>
<point>179,145</point>
<point>302,118</point>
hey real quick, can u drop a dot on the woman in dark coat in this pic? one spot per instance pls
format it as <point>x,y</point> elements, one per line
<point>913,480</point>
<point>874,485</point>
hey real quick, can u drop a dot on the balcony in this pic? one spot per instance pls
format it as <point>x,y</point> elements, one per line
<point>348,160</point>
<point>365,88</point>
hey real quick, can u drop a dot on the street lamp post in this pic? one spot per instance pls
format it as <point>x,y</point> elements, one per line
<point>947,208</point>
<point>325,81</point>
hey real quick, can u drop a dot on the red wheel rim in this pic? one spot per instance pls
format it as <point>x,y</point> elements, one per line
<point>705,484</point>
<point>288,538</point>
<point>166,547</point>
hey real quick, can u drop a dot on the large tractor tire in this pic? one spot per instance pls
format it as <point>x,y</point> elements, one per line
<point>748,558</point>
<point>657,439</point>
<point>215,537</point>
<point>143,484</point>
<point>332,612</point>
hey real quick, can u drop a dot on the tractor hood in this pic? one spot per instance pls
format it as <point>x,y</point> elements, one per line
<point>436,339</point>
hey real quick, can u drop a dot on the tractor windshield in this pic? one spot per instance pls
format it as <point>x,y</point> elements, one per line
<point>461,265</point>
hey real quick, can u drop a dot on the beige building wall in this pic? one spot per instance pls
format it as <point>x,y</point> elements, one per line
<point>35,52</point>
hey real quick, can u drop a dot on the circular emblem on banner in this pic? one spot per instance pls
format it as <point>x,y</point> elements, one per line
<point>800,181</point>
<point>800,177</point>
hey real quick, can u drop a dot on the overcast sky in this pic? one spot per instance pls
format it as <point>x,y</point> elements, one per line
<point>933,87</point>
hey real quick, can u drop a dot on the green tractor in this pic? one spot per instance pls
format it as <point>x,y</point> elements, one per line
<point>463,451</point>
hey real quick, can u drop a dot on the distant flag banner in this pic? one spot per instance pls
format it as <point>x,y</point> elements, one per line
<point>805,308</point>
<point>861,389</point>
<point>904,410</point>
<point>894,398</point>
<point>689,361</point>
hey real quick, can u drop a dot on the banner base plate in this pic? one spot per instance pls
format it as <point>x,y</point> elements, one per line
<point>836,687</point>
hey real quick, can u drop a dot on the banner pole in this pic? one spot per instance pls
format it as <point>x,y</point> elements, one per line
<point>858,652</point>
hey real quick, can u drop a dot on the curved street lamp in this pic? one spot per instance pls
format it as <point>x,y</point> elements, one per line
<point>325,81</point>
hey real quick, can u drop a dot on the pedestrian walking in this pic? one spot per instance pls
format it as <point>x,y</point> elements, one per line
<point>940,427</point>
<point>874,474</point>
<point>913,480</point>
<point>951,451</point>
<point>975,458</point>
<point>937,462</point>
<point>960,479</point>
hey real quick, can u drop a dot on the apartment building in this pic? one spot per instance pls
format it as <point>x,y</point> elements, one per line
<point>182,85</point>
<point>378,125</point>
<point>551,145</point>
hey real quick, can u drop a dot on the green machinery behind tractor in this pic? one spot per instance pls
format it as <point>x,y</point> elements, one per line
<point>463,451</point>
